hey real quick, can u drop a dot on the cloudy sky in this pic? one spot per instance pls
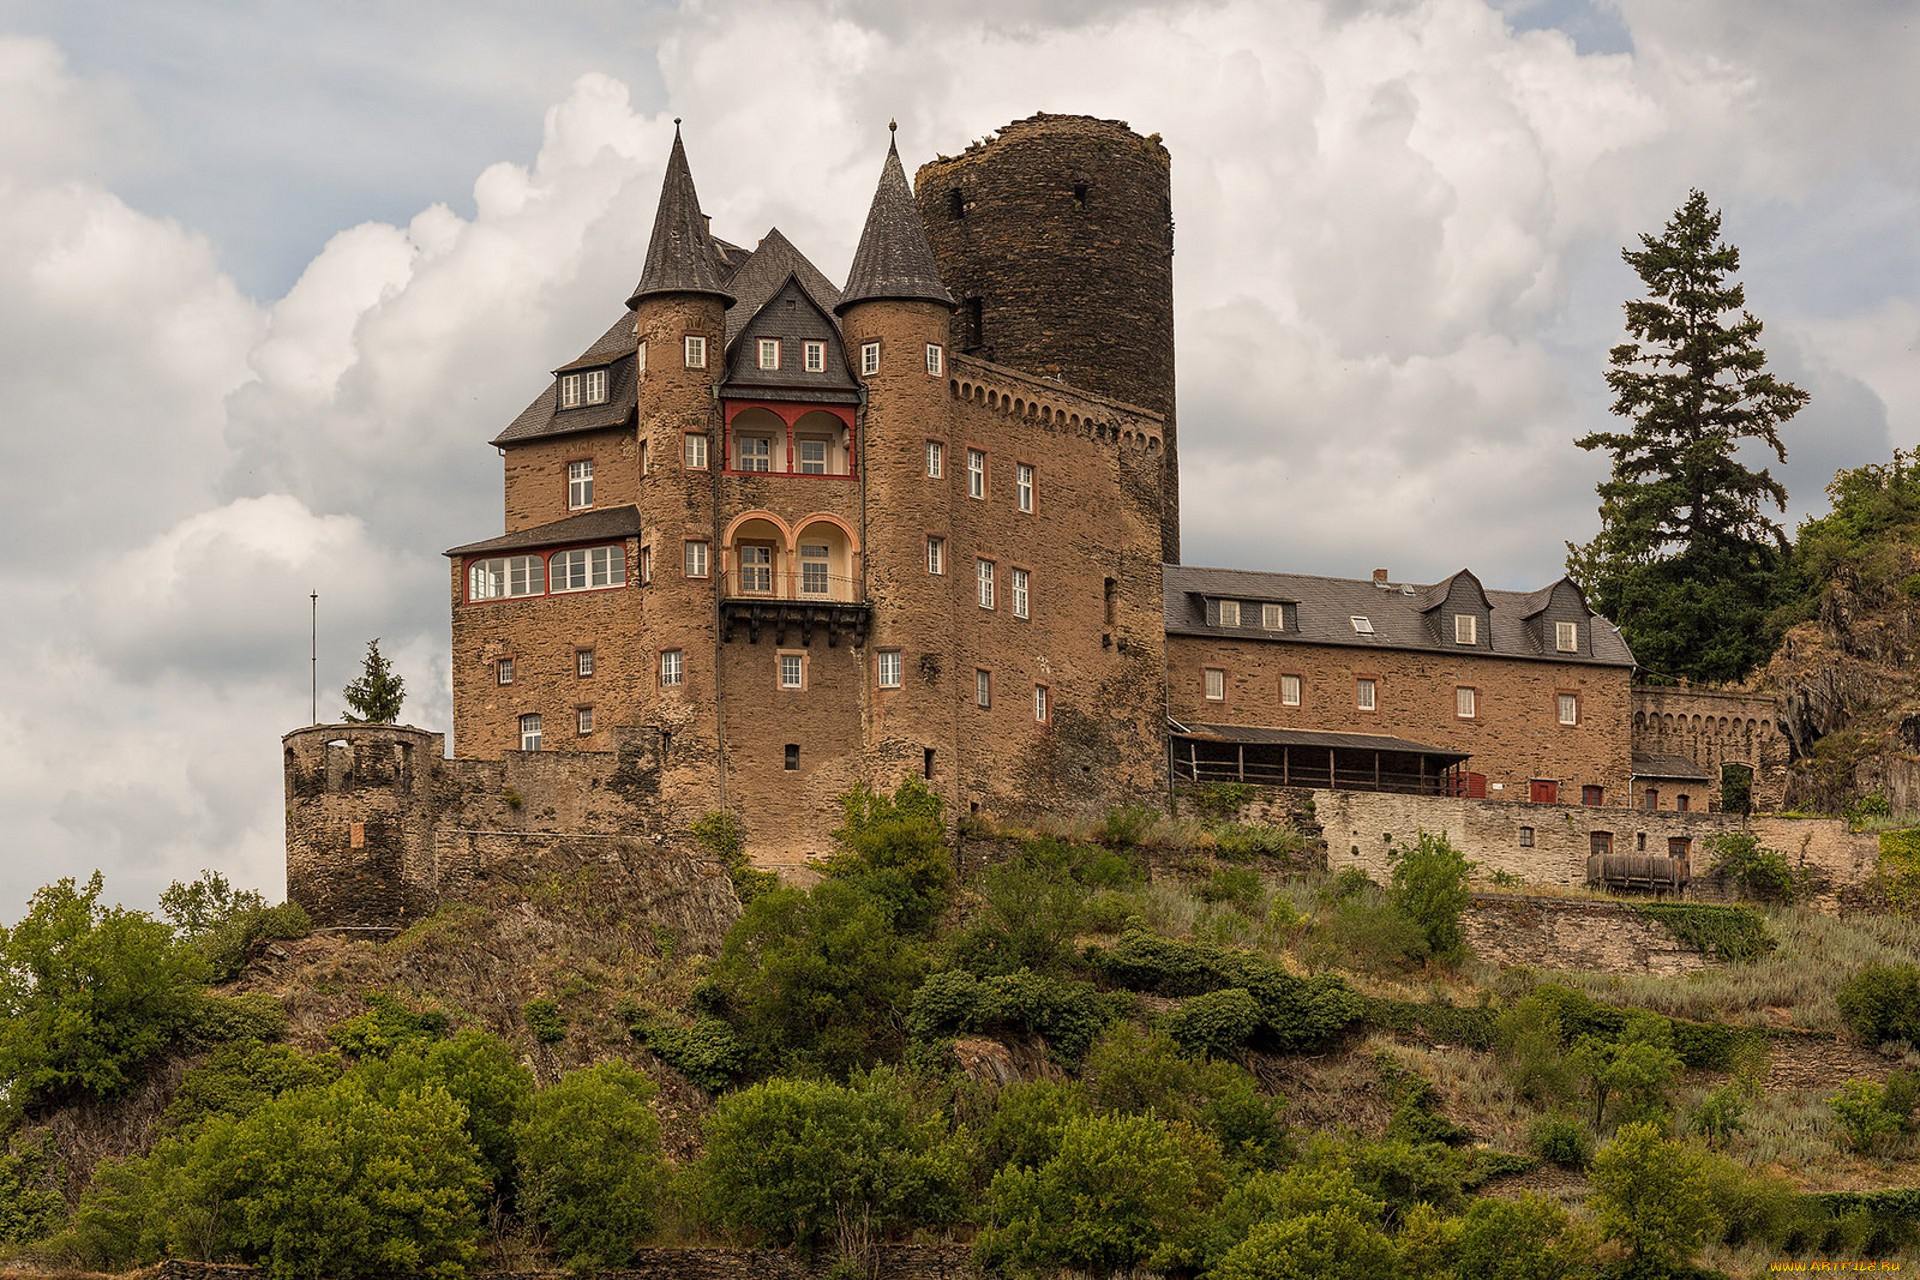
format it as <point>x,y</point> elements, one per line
<point>271,275</point>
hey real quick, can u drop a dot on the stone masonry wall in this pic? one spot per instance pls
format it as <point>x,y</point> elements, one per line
<point>1573,933</point>
<point>535,477</point>
<point>1714,728</point>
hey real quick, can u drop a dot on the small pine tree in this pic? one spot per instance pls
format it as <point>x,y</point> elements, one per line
<point>376,697</point>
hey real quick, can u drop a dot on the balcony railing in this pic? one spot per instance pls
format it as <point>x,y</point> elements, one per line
<point>780,584</point>
<point>787,605</point>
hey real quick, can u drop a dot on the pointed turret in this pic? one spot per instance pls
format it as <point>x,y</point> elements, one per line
<point>681,257</point>
<point>895,259</point>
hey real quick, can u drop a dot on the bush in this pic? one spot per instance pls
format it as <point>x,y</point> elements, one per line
<point>1125,828</point>
<point>1730,934</point>
<point>1561,1139</point>
<point>1068,1015</point>
<point>480,1072</point>
<point>1634,1073</point>
<point>544,1019</point>
<point>1236,886</point>
<point>720,834</point>
<point>1295,1013</point>
<point>1314,1246</point>
<point>591,1171</point>
<point>237,1078</point>
<point>1429,883</point>
<point>1219,1022</point>
<point>1137,1073</point>
<point>1652,1194</point>
<point>1881,1002</point>
<point>387,1025</point>
<point>89,994</point>
<point>1755,870</point>
<point>1871,1115</point>
<point>1531,1238</point>
<point>31,1203</point>
<point>1246,842</point>
<point>1030,912</point>
<point>892,848</point>
<point>1026,1123</point>
<point>1369,933</point>
<point>706,1053</point>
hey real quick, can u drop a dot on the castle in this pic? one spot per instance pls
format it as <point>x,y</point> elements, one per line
<point>767,538</point>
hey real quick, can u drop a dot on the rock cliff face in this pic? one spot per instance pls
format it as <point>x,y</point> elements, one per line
<point>1848,685</point>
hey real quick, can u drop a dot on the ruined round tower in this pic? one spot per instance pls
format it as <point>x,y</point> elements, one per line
<point>1055,237</point>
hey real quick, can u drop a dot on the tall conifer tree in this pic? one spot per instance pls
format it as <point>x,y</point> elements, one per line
<point>377,696</point>
<point>1687,557</point>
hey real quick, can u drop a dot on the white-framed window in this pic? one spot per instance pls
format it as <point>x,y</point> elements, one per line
<point>983,582</point>
<point>886,668</point>
<point>1023,487</point>
<point>793,671</point>
<point>936,554</point>
<point>1466,629</point>
<point>813,456</point>
<point>1042,703</point>
<point>503,671</point>
<point>579,484</point>
<point>1273,617</point>
<point>752,453</point>
<point>588,568</point>
<point>1567,706</point>
<point>595,390</point>
<point>1361,625</point>
<point>1229,613</point>
<point>672,669</point>
<point>813,568</point>
<point>1566,637</point>
<point>814,355</point>
<point>769,353</point>
<point>1365,694</point>
<point>1466,702</point>
<point>530,732</point>
<point>869,359</point>
<point>693,450</point>
<point>582,721</point>
<point>982,688</point>
<point>756,567</point>
<point>936,359</point>
<point>976,473</point>
<point>936,459</point>
<point>1289,691</point>
<point>694,562</point>
<point>570,391</point>
<point>1017,588</point>
<point>504,576</point>
<point>1216,684</point>
<point>696,351</point>
<point>583,663</point>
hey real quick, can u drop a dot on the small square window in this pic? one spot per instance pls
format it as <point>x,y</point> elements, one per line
<point>693,450</point>
<point>1229,613</point>
<point>1023,487</point>
<point>793,756</point>
<point>982,688</point>
<point>1361,625</point>
<point>976,473</point>
<point>530,732</point>
<point>1600,842</point>
<point>1568,705</point>
<point>1365,695</point>
<point>1526,837</point>
<point>1042,704</point>
<point>596,386</point>
<point>583,721</point>
<point>1593,795</point>
<point>936,459</point>
<point>583,662</point>
<point>813,457</point>
<point>1682,803</point>
<point>696,560</point>
<point>1017,585</point>
<point>936,554</point>
<point>869,359</point>
<point>1679,846</point>
<point>1466,629</point>
<point>983,580</point>
<point>503,671</point>
<point>1216,684</point>
<point>1289,691</point>
<point>671,668</point>
<point>815,355</point>
<point>887,668</point>
<point>769,353</point>
<point>579,485</point>
<point>1466,702</point>
<point>1273,617</point>
<point>570,390</point>
<point>696,351</point>
<point>793,671</point>
<point>935,359</point>
<point>1566,637</point>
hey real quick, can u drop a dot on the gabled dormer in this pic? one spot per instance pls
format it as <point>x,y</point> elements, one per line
<point>1458,614</point>
<point>1559,620</point>
<point>790,347</point>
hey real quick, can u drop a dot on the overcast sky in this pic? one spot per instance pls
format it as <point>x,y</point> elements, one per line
<point>271,275</point>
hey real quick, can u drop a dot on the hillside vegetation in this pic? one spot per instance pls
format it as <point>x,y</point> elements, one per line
<point>1147,1045</point>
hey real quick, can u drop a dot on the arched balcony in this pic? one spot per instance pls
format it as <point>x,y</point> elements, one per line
<point>805,577</point>
<point>779,438</point>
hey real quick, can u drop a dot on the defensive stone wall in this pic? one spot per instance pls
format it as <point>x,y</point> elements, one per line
<point>1592,935</point>
<point>1713,729</point>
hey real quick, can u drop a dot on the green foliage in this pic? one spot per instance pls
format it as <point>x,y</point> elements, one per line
<point>720,834</point>
<point>1236,886</point>
<point>893,848</point>
<point>378,694</point>
<point>591,1170</point>
<point>386,1026</point>
<point>1222,801</point>
<point>1899,868</point>
<point>1730,934</point>
<point>1308,1186</point>
<point>1652,1194</point>
<point>1429,882</point>
<point>1316,1246</point>
<point>1416,1115</point>
<point>1030,911</point>
<point>1295,1012</point>
<point>1881,1003</point>
<point>1068,1015</point>
<point>1246,842</point>
<point>544,1019</point>
<point>1531,1238</point>
<point>1118,1193</point>
<point>1470,1027</point>
<point>1025,1126</point>
<point>1755,870</point>
<point>1127,828</point>
<point>806,1162</point>
<point>31,1205</point>
<point>1132,1073</point>
<point>89,994</point>
<point>251,1015</point>
<point>203,905</point>
<point>482,1075</point>
<point>1367,932</point>
<point>229,935</point>
<point>1633,1074</point>
<point>1560,1138</point>
<point>1219,1022</point>
<point>707,1052</point>
<point>814,980</point>
<point>1872,1115</point>
<point>1686,559</point>
<point>237,1078</point>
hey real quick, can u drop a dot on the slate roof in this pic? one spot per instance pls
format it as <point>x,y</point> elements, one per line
<point>1254,735</point>
<point>544,417</point>
<point>1675,768</point>
<point>895,259</point>
<point>760,274</point>
<point>601,525</point>
<point>681,256</point>
<point>1323,609</point>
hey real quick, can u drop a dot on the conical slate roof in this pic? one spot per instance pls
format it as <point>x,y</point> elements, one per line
<point>894,259</point>
<point>680,257</point>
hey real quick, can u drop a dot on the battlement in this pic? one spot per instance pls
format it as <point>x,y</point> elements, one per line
<point>1054,405</point>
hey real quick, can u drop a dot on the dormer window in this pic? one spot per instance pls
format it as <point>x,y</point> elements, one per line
<point>769,349</point>
<point>1229,613</point>
<point>596,388</point>
<point>587,387</point>
<point>816,356</point>
<point>1466,629</point>
<point>1566,637</point>
<point>1362,626</point>
<point>570,390</point>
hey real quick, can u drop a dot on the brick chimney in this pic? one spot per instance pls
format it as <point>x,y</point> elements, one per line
<point>1380,578</point>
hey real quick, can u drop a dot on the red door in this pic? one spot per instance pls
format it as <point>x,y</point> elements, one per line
<point>1545,791</point>
<point>1476,786</point>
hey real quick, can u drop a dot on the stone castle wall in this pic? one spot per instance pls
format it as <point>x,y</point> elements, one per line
<point>1714,729</point>
<point>1573,933</point>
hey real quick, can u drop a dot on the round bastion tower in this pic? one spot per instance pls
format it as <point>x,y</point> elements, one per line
<point>360,823</point>
<point>1055,237</point>
<point>893,312</point>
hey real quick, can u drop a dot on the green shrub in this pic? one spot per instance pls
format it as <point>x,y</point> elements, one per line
<point>1560,1138</point>
<point>1030,912</point>
<point>1235,886</point>
<point>1881,1003</point>
<point>1416,1107</point>
<point>1730,934</point>
<point>1141,1073</point>
<point>1314,1246</point>
<point>1308,1186</point>
<point>1429,883</point>
<point>892,848</point>
<point>1652,1194</point>
<point>228,944</point>
<point>1295,1012</point>
<point>1125,828</point>
<point>239,1077</point>
<point>1068,1015</point>
<point>590,1166</point>
<point>251,1015</point>
<point>1024,1128</point>
<point>1369,933</point>
<point>706,1052</point>
<point>722,837</point>
<point>1249,841</point>
<point>1346,883</point>
<point>1871,1115</point>
<point>1755,870</point>
<point>480,1072</point>
<point>1222,801</point>
<point>1723,1112</point>
<point>544,1019</point>
<point>1633,1074</point>
<point>386,1026</point>
<point>31,1203</point>
<point>1531,1238</point>
<point>1219,1022</point>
